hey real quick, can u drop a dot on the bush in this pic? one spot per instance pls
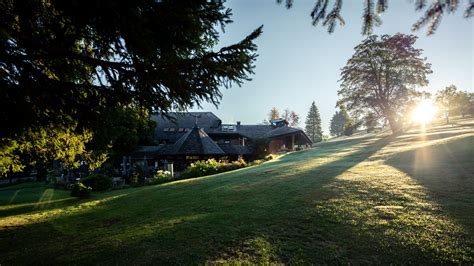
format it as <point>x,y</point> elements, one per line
<point>81,191</point>
<point>240,163</point>
<point>257,162</point>
<point>210,167</point>
<point>98,182</point>
<point>159,177</point>
<point>270,157</point>
<point>267,158</point>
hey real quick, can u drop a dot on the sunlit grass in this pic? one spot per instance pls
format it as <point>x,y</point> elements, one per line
<point>373,199</point>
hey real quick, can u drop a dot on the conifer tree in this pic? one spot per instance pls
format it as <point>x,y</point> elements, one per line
<point>66,64</point>
<point>313,124</point>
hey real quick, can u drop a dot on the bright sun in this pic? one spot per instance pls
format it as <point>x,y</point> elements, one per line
<point>424,112</point>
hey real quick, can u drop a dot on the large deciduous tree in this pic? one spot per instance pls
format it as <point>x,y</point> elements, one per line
<point>313,124</point>
<point>66,63</point>
<point>382,76</point>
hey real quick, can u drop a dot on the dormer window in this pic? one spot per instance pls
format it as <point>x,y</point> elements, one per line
<point>228,128</point>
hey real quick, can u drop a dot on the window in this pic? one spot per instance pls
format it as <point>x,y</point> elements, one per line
<point>228,128</point>
<point>192,157</point>
<point>172,129</point>
<point>181,129</point>
<point>166,129</point>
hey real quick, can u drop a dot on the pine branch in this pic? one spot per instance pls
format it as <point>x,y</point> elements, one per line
<point>371,19</point>
<point>432,16</point>
<point>334,16</point>
<point>469,10</point>
<point>319,11</point>
<point>420,4</point>
<point>381,6</point>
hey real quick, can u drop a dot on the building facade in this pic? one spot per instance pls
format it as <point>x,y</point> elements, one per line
<point>184,137</point>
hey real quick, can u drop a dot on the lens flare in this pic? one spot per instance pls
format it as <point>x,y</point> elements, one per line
<point>424,112</point>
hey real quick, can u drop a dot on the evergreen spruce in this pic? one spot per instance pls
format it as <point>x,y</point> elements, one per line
<point>313,124</point>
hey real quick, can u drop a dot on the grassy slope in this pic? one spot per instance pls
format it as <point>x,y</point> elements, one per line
<point>372,199</point>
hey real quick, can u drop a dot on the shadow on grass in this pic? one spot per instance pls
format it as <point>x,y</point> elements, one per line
<point>194,222</point>
<point>446,170</point>
<point>292,210</point>
<point>32,196</point>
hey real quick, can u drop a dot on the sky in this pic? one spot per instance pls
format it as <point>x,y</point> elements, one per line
<point>299,63</point>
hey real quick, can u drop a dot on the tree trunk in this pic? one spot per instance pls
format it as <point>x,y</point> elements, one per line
<point>395,125</point>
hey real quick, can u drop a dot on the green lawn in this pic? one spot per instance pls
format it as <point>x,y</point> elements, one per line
<point>367,199</point>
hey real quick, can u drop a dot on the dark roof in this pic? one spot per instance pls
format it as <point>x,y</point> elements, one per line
<point>212,125</point>
<point>181,120</point>
<point>260,131</point>
<point>194,142</point>
<point>142,151</point>
<point>232,149</point>
<point>281,131</point>
<point>253,131</point>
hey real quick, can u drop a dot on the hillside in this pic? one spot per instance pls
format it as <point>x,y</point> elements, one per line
<point>366,199</point>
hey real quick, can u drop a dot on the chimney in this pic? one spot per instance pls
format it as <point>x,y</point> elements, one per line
<point>238,123</point>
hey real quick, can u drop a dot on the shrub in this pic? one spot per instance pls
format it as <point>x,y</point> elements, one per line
<point>159,177</point>
<point>210,167</point>
<point>98,182</point>
<point>270,157</point>
<point>257,162</point>
<point>81,191</point>
<point>240,163</point>
<point>267,158</point>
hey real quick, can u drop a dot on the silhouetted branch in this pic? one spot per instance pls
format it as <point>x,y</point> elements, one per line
<point>371,19</point>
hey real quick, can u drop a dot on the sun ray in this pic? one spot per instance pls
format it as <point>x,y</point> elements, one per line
<point>424,112</point>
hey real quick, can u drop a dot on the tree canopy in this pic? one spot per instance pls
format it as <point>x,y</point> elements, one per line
<point>273,114</point>
<point>451,101</point>
<point>291,117</point>
<point>67,63</point>
<point>382,76</point>
<point>331,16</point>
<point>338,122</point>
